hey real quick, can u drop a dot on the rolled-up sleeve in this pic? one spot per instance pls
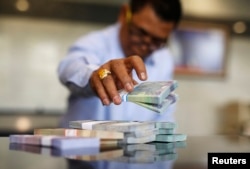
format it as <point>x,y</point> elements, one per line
<point>82,59</point>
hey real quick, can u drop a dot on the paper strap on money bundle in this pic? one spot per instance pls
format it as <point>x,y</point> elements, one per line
<point>156,96</point>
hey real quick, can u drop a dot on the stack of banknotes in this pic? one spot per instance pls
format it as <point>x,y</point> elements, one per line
<point>100,133</point>
<point>91,140</point>
<point>134,132</point>
<point>156,96</point>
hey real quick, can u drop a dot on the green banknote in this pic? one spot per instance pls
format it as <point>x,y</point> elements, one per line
<point>149,92</point>
<point>165,125</point>
<point>138,140</point>
<point>141,133</point>
<point>160,108</point>
<point>170,137</point>
<point>165,131</point>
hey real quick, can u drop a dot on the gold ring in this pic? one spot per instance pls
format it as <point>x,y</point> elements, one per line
<point>103,73</point>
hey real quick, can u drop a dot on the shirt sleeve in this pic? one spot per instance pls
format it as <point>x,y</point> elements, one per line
<point>82,59</point>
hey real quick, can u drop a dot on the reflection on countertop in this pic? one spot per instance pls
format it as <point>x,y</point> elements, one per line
<point>192,155</point>
<point>125,153</point>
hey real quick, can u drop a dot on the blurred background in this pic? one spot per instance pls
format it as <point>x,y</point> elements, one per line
<point>213,75</point>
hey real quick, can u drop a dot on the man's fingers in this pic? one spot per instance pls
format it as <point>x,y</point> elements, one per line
<point>121,72</point>
<point>110,87</point>
<point>137,63</point>
<point>105,87</point>
<point>96,83</point>
<point>122,68</point>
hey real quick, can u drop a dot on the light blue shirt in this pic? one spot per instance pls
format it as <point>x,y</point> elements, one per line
<point>86,55</point>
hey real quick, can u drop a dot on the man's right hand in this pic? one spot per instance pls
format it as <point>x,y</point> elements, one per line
<point>119,78</point>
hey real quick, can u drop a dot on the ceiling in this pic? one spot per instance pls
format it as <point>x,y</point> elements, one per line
<point>227,12</point>
<point>227,9</point>
<point>212,9</point>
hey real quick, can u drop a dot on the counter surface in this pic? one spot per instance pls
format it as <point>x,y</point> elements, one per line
<point>194,156</point>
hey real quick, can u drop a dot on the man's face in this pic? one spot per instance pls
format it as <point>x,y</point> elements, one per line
<point>144,32</point>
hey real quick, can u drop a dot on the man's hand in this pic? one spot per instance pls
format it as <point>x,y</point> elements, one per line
<point>120,77</point>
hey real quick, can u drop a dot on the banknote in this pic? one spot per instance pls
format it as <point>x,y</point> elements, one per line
<point>119,126</point>
<point>165,125</point>
<point>141,133</point>
<point>80,132</point>
<point>138,140</point>
<point>60,142</point>
<point>160,108</point>
<point>149,92</point>
<point>170,137</point>
<point>165,131</point>
<point>136,147</point>
<point>129,126</point>
<point>87,124</point>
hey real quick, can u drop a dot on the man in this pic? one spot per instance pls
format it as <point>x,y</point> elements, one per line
<point>132,50</point>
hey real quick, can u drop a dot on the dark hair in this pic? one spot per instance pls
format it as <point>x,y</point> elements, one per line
<point>167,10</point>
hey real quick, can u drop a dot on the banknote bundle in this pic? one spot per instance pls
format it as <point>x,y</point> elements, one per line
<point>112,125</point>
<point>163,148</point>
<point>103,135</point>
<point>156,96</point>
<point>166,132</point>
<point>162,107</point>
<point>116,140</point>
<point>134,132</point>
<point>107,138</point>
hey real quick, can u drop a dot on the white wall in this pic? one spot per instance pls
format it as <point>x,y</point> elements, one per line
<point>200,101</point>
<point>31,49</point>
